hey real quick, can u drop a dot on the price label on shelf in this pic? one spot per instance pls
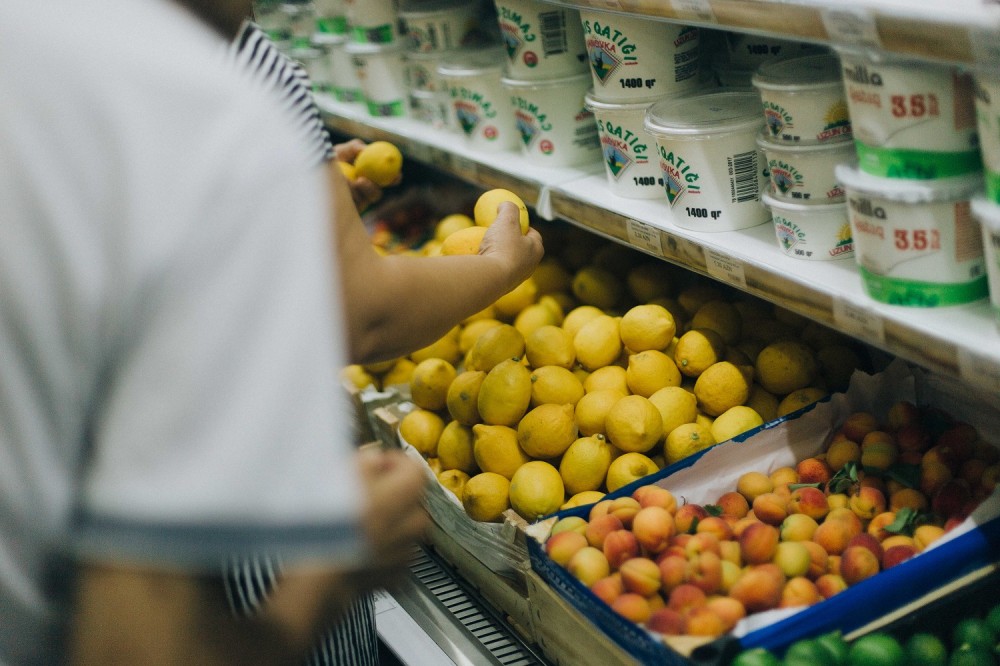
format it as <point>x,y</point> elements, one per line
<point>858,321</point>
<point>979,370</point>
<point>696,9</point>
<point>644,236</point>
<point>852,27</point>
<point>725,268</point>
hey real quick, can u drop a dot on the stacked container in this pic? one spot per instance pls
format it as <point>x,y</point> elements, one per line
<point>987,209</point>
<point>478,103</point>
<point>806,134</point>
<point>376,49</point>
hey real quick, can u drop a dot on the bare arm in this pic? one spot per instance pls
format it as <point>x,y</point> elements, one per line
<point>395,304</point>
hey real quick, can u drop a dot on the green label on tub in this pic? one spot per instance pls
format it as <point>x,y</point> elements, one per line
<point>993,185</point>
<point>915,164</point>
<point>375,34</point>
<point>385,109</point>
<point>332,25</point>
<point>914,293</point>
<point>347,94</point>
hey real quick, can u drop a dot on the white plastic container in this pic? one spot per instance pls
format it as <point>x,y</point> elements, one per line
<point>713,173</point>
<point>382,76</point>
<point>987,91</point>
<point>438,25</point>
<point>373,21</point>
<point>316,61</point>
<point>543,41</point>
<point>988,214</point>
<point>916,242</point>
<point>804,99</point>
<point>331,17</point>
<point>629,151</point>
<point>815,231</point>
<point>478,103</point>
<point>750,51</point>
<point>555,127</point>
<point>911,119</point>
<point>805,172</point>
<point>431,108</point>
<point>633,59</point>
<point>422,70</point>
<point>343,75</point>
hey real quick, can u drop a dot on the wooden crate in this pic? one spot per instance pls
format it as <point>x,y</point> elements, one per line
<point>364,402</point>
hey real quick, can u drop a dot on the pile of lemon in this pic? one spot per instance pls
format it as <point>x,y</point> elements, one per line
<point>603,367</point>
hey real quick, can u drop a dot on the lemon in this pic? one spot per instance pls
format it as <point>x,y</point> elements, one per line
<point>431,248</point>
<point>494,345</point>
<point>721,386</point>
<point>536,490</point>
<point>674,308</point>
<point>515,300</point>
<point>734,421</point>
<point>356,376</point>
<point>486,209</point>
<point>615,257</point>
<point>633,424</point>
<point>486,496</point>
<point>551,384</point>
<point>451,223</point>
<point>505,394</point>
<point>596,286</point>
<point>445,347</point>
<point>817,336</point>
<point>435,465</point>
<point>698,349</point>
<point>471,332</point>
<point>429,383</point>
<point>553,303</point>
<point>582,499</point>
<point>609,377</point>
<point>379,367</point>
<point>533,317</point>
<point>676,406</point>
<point>550,345</point>
<point>762,402</point>
<point>627,468</point>
<point>784,366</point>
<point>421,429</point>
<point>685,440</point>
<point>584,465</point>
<point>380,162</point>
<point>836,365</point>
<point>798,399</point>
<point>592,410</point>
<point>399,374</point>
<point>348,170</point>
<point>771,330</point>
<point>454,481</point>
<point>495,449</point>
<point>463,241</point>
<point>551,276</point>
<point>647,327</point>
<point>486,313</point>
<point>563,299</point>
<point>649,371</point>
<point>737,356</point>
<point>546,431</point>
<point>704,420</point>
<point>462,397</point>
<point>693,297</point>
<point>721,317</point>
<point>649,280</point>
<point>578,316</point>
<point>598,343</point>
<point>454,448</point>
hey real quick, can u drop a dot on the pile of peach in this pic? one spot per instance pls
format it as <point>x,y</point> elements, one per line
<point>875,497</point>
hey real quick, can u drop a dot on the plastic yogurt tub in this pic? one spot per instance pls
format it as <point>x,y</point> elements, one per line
<point>331,17</point>
<point>988,214</point>
<point>712,171</point>
<point>916,242</point>
<point>804,99</point>
<point>816,231</point>
<point>633,59</point>
<point>343,75</point>
<point>804,172</point>
<point>629,151</point>
<point>381,73</point>
<point>987,93</point>
<point>422,70</point>
<point>554,126</point>
<point>479,105</point>
<point>543,41</point>
<point>750,51</point>
<point>439,25</point>
<point>431,108</point>
<point>911,119</point>
<point>372,21</point>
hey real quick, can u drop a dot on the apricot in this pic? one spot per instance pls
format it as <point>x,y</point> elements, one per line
<point>733,504</point>
<point>809,501</point>
<point>799,591</point>
<point>859,424</point>
<point>600,527</point>
<point>667,621</point>
<point>951,498</point>
<point>933,476</point>
<point>897,554</point>
<point>830,584</point>
<point>716,526</point>
<point>703,621</point>
<point>624,509</point>
<point>834,536</point>
<point>673,572</point>
<point>858,563</point>
<point>867,541</point>
<point>819,560</point>
<point>841,452</point>
<point>653,495</point>
<point>632,607</point>
<point>685,596</point>
<point>783,476</point>
<point>705,572</point>
<point>751,484</point>
<point>837,501</point>
<point>609,588</point>
<point>902,414</point>
<point>876,527</point>
<point>867,502</point>
<point>728,609</point>
<point>759,588</point>
<point>731,573</point>
<point>907,498</point>
<point>925,535</point>
<point>880,455</point>
<point>729,550</point>
<point>569,523</point>
<point>943,454</point>
<point>653,527</point>
<point>740,525</point>
<point>913,437</point>
<point>588,565</point>
<point>770,508</point>
<point>877,437</point>
<point>758,543</point>
<point>562,546</point>
<point>813,470</point>
<point>687,517</point>
<point>702,542</point>
<point>620,546</point>
<point>898,540</point>
<point>793,558</point>
<point>640,575</point>
<point>599,509</point>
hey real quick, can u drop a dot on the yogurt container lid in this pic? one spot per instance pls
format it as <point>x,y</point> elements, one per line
<point>821,70</point>
<point>593,104</point>
<point>843,144</point>
<point>772,201</point>
<point>909,191</point>
<point>987,212</point>
<point>726,111</point>
<point>544,83</point>
<point>885,58</point>
<point>371,48</point>
<point>470,62</point>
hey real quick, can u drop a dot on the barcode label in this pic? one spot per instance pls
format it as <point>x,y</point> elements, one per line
<point>552,26</point>
<point>744,185</point>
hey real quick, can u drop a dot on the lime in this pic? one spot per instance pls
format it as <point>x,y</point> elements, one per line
<point>755,657</point>
<point>926,649</point>
<point>808,652</point>
<point>974,632</point>
<point>834,645</point>
<point>876,650</point>
<point>971,656</point>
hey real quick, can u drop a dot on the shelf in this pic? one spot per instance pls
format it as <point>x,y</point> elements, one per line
<point>963,31</point>
<point>962,342</point>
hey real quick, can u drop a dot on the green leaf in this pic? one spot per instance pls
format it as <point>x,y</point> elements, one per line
<point>904,523</point>
<point>713,509</point>
<point>908,475</point>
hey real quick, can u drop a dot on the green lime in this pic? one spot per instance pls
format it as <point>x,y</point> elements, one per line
<point>971,656</point>
<point>835,646</point>
<point>974,632</point>
<point>807,652</point>
<point>925,649</point>
<point>876,650</point>
<point>755,657</point>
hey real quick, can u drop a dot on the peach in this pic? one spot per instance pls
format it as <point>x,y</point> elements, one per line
<point>830,584</point>
<point>569,524</point>
<point>877,436</point>
<point>859,424</point>
<point>733,504</point>
<point>759,588</point>
<point>819,560</point>
<point>813,470</point>
<point>867,502</point>
<point>841,452</point>
<point>876,527</point>
<point>653,495</point>
<point>913,437</point>
<point>656,601</point>
<point>933,476</point>
<point>925,535</point>
<point>898,540</point>
<point>599,509</point>
<point>743,523</point>
<point>793,558</point>
<point>907,498</point>
<point>799,591</point>
<point>809,501</point>
<point>730,610</point>
<point>715,526</point>
<point>858,563</point>
<point>872,481</point>
<point>653,527</point>
<point>731,573</point>
<point>684,597</point>
<point>751,484</point>
<point>758,543</point>
<point>619,546</point>
<point>687,516</point>
<point>770,508</point>
<point>951,498</point>
<point>868,541</point>
<point>588,565</point>
<point>701,542</point>
<point>640,575</point>
<point>729,551</point>
<point>896,554</point>
<point>784,491</point>
<point>673,572</point>
<point>847,517</point>
<point>624,508</point>
<point>705,572</point>
<point>600,527</point>
<point>608,588</point>
<point>833,535</point>
<point>632,607</point>
<point>784,476</point>
<point>703,621</point>
<point>667,621</point>
<point>837,501</point>
<point>901,414</point>
<point>562,546</point>
<point>798,527</point>
<point>880,455</point>
<point>943,454</point>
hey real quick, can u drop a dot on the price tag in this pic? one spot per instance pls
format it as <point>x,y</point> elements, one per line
<point>858,321</point>
<point>851,26</point>
<point>697,9</point>
<point>979,370</point>
<point>725,268</point>
<point>644,236</point>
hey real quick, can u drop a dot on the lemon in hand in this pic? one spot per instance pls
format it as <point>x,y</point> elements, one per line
<point>380,162</point>
<point>485,210</point>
